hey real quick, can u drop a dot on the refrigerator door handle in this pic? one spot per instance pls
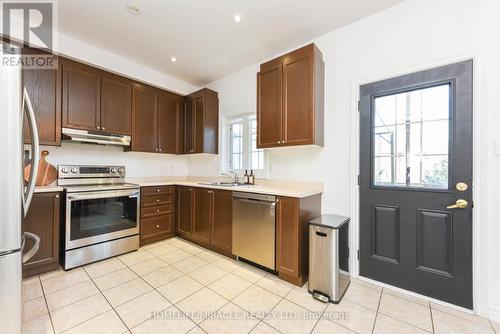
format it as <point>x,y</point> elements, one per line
<point>35,152</point>
<point>36,239</point>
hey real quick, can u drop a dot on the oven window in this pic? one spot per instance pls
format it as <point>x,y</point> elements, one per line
<point>92,217</point>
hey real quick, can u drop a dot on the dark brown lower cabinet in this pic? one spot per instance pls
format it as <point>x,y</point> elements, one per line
<point>205,217</point>
<point>202,215</point>
<point>222,224</point>
<point>43,220</point>
<point>292,236</point>
<point>185,205</point>
<point>157,214</point>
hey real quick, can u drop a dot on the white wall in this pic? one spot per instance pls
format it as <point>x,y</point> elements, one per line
<point>137,164</point>
<point>87,53</point>
<point>404,37</point>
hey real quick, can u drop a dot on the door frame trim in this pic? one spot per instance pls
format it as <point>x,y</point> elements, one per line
<point>480,235</point>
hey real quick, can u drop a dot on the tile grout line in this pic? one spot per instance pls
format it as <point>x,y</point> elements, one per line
<point>378,309</point>
<point>46,305</point>
<point>112,307</point>
<point>432,318</point>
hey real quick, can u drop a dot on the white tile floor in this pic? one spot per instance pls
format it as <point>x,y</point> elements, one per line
<point>176,287</point>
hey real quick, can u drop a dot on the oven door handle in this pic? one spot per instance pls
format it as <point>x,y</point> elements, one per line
<point>102,194</point>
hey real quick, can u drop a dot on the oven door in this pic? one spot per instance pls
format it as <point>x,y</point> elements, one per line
<point>94,217</point>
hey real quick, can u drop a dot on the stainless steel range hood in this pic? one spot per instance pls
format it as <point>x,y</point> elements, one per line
<point>100,138</point>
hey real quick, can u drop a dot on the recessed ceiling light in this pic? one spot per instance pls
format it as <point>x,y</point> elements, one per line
<point>173,59</point>
<point>134,9</point>
<point>237,18</point>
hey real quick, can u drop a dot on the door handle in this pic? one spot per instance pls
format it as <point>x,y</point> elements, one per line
<point>459,204</point>
<point>35,152</point>
<point>36,239</point>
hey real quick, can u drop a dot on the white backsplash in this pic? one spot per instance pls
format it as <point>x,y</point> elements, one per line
<point>137,164</point>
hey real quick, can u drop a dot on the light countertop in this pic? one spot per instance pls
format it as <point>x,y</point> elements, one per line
<point>267,187</point>
<point>50,188</point>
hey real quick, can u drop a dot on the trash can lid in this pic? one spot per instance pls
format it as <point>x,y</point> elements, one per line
<point>329,221</point>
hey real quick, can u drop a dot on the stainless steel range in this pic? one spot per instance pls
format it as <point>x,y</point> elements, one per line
<point>102,213</point>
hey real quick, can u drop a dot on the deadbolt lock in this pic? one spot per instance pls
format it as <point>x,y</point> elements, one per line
<point>462,186</point>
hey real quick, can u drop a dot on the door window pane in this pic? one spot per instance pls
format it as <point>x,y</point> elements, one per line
<point>411,138</point>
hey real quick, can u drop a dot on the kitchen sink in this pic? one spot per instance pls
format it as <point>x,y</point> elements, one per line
<point>223,184</point>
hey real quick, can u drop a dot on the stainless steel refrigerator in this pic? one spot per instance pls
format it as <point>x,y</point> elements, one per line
<point>15,197</point>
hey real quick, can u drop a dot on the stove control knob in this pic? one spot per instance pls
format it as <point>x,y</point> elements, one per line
<point>113,170</point>
<point>64,170</point>
<point>74,170</point>
<point>120,170</point>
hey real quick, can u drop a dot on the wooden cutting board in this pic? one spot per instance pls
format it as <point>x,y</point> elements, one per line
<point>46,172</point>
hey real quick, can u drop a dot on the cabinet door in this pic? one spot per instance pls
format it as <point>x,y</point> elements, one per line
<point>168,122</point>
<point>189,120</point>
<point>44,90</point>
<point>202,215</point>
<point>116,105</point>
<point>144,118</point>
<point>185,202</point>
<point>43,220</point>
<point>287,236</point>
<point>222,224</point>
<point>198,124</point>
<point>81,96</point>
<point>269,105</point>
<point>298,96</point>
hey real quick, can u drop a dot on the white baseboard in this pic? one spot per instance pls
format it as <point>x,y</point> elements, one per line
<point>495,314</point>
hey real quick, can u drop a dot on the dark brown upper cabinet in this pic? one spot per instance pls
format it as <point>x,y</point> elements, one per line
<point>95,100</point>
<point>44,90</point>
<point>290,99</point>
<point>169,123</point>
<point>116,104</point>
<point>144,118</point>
<point>201,122</point>
<point>81,96</point>
<point>156,120</point>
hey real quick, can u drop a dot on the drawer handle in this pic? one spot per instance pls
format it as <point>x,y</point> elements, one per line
<point>321,234</point>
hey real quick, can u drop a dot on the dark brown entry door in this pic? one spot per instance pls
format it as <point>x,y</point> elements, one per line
<point>416,182</point>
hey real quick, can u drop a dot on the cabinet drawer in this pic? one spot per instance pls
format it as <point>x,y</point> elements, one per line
<point>147,201</point>
<point>160,190</point>
<point>157,210</point>
<point>153,226</point>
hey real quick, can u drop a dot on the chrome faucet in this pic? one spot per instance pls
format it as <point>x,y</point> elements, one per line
<point>234,177</point>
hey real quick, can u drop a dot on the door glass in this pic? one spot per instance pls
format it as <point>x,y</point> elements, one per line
<point>99,216</point>
<point>411,138</point>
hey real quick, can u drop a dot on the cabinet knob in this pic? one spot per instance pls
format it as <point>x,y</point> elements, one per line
<point>279,141</point>
<point>98,128</point>
<point>158,211</point>
<point>157,226</point>
<point>157,190</point>
<point>57,196</point>
<point>157,201</point>
<point>104,128</point>
<point>159,149</point>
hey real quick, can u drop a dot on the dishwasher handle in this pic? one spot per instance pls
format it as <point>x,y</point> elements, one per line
<point>254,201</point>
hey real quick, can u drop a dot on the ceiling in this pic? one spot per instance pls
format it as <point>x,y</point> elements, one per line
<point>202,34</point>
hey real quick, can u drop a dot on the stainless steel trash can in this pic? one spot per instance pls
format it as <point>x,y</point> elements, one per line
<point>329,257</point>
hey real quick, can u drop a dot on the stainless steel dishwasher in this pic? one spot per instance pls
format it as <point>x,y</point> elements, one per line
<point>254,228</point>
